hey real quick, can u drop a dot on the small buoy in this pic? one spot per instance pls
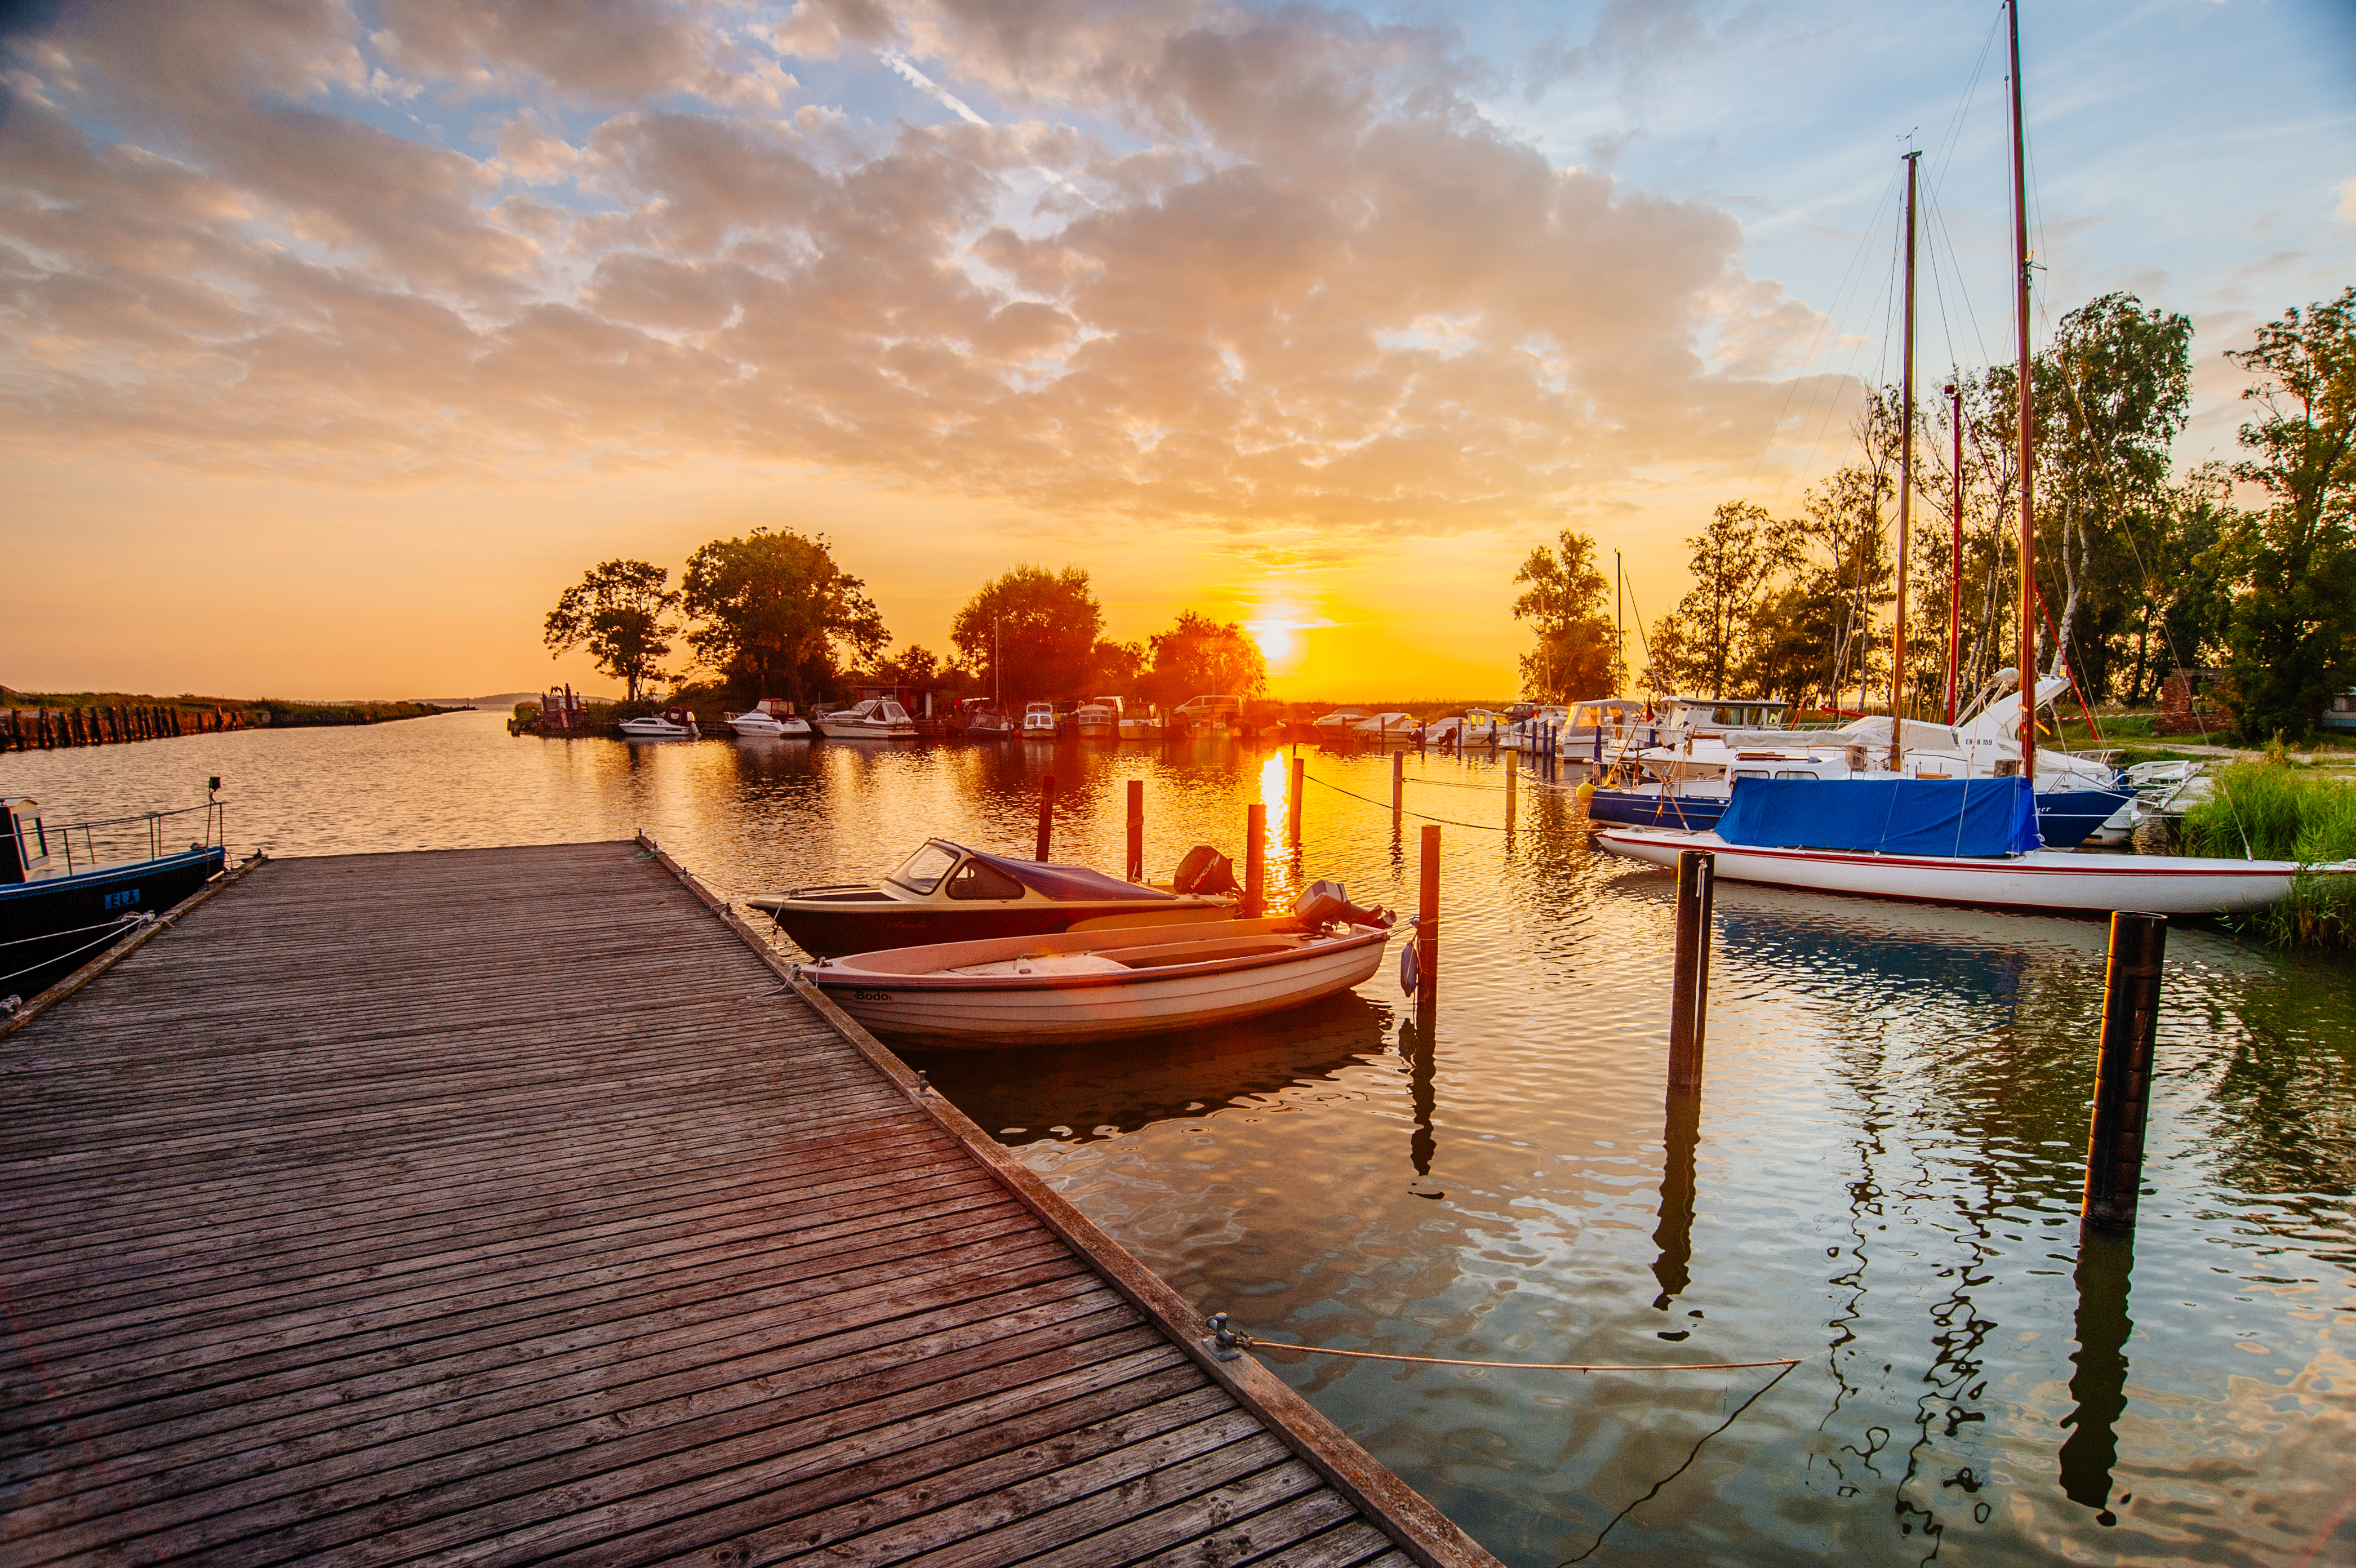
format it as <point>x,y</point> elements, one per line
<point>1409,972</point>
<point>1586,792</point>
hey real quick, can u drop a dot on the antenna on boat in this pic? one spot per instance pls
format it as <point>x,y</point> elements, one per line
<point>2027,439</point>
<point>1905,489</point>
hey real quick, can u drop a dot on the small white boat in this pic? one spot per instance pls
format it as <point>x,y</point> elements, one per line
<point>1039,722</point>
<point>671,724</point>
<point>1338,722</point>
<point>2039,879</point>
<point>878,718</point>
<point>1099,985</point>
<point>762,722</point>
<point>1099,719</point>
<point>1388,726</point>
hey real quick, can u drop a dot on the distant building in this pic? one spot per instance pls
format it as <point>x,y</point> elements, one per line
<point>2342,712</point>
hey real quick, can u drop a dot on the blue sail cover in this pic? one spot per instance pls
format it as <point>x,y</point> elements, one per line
<point>1889,816</point>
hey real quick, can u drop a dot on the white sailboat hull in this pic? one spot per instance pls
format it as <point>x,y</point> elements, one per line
<point>2042,879</point>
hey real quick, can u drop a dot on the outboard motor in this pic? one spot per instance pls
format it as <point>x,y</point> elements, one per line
<point>1204,870</point>
<point>1325,903</point>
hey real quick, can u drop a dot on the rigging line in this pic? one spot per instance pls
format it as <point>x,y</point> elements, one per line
<point>1944,160</point>
<point>1680,1470</point>
<point>1815,446</point>
<point>1850,275</point>
<point>1786,1362</point>
<point>1385,805</point>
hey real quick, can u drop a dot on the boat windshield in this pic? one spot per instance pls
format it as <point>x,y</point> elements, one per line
<point>922,872</point>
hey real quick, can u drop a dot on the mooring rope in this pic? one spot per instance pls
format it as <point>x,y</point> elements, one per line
<point>125,924</point>
<point>1421,816</point>
<point>1224,1338</point>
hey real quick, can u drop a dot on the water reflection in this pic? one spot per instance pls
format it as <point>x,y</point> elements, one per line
<point>1883,1177</point>
<point>2105,1264</point>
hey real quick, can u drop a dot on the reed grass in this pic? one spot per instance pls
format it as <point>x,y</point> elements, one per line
<point>2270,811</point>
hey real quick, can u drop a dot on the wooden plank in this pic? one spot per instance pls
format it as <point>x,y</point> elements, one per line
<point>343,1223</point>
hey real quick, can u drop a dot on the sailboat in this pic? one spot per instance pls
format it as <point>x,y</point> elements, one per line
<point>1953,841</point>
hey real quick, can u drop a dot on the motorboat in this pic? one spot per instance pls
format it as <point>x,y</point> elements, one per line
<point>1383,728</point>
<point>68,893</point>
<point>671,724</point>
<point>1099,719</point>
<point>773,720</point>
<point>945,892</point>
<point>1948,842</point>
<point>1141,726</point>
<point>1084,986</point>
<point>1212,713</point>
<point>1039,722</point>
<point>984,722</point>
<point>1530,731</point>
<point>1337,723</point>
<point>1596,727</point>
<point>878,718</point>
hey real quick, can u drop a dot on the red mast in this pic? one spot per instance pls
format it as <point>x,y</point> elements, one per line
<point>2028,422</point>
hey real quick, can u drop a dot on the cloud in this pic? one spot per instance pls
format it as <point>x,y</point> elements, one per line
<point>1234,329</point>
<point>2348,199</point>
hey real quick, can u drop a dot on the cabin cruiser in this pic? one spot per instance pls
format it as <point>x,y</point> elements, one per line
<point>1141,726</point>
<point>1039,722</point>
<point>1099,718</point>
<point>68,893</point>
<point>671,724</point>
<point>1207,712</point>
<point>984,722</point>
<point>1532,724</point>
<point>772,719</point>
<point>1390,726</point>
<point>945,892</point>
<point>1688,784</point>
<point>1337,723</point>
<point>878,718</point>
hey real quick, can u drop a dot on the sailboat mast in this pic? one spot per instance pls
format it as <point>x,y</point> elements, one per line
<point>1905,490</point>
<point>2026,441</point>
<point>1956,552</point>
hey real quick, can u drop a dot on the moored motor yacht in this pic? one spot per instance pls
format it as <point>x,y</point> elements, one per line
<point>1039,722</point>
<point>671,724</point>
<point>1099,718</point>
<point>1084,986</point>
<point>878,718</point>
<point>945,892</point>
<point>770,719</point>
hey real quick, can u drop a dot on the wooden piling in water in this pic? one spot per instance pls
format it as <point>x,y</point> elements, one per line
<point>1398,788</point>
<point>1427,913</point>
<point>1047,812</point>
<point>1300,779</point>
<point>1255,862</point>
<point>1511,774</point>
<point>1136,862</point>
<point>2123,1068</point>
<point>1689,977</point>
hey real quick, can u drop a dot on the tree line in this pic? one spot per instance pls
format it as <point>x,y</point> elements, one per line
<point>2141,572</point>
<point>773,615</point>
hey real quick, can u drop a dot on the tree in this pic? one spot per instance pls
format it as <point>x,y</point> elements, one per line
<point>1568,604</point>
<point>777,611</point>
<point>1733,560</point>
<point>1032,634</point>
<point>1200,656</point>
<point>2293,633</point>
<point>617,612</point>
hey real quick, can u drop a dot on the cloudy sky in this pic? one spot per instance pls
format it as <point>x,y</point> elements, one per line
<point>336,337</point>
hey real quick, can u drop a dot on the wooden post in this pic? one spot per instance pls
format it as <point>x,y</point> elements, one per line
<point>2123,1068</point>
<point>1511,774</point>
<point>1046,811</point>
<point>1689,978</point>
<point>1137,829</point>
<point>1427,916</point>
<point>1398,788</point>
<point>1300,779</point>
<point>1255,862</point>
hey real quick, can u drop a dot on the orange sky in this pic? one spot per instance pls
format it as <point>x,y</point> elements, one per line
<point>336,341</point>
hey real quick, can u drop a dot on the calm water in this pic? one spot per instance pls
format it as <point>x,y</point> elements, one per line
<point>1882,1180</point>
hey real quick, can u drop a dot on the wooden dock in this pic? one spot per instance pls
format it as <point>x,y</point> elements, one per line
<point>513,1206</point>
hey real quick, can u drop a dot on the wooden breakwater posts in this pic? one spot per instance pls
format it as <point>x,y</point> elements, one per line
<point>1689,969</point>
<point>333,1232</point>
<point>47,729</point>
<point>2123,1066</point>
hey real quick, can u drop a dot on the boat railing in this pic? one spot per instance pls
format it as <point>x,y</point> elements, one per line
<point>108,841</point>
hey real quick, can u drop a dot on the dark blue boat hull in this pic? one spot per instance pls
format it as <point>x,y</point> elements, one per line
<point>2063,819</point>
<point>52,927</point>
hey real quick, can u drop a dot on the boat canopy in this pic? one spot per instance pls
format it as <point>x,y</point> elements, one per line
<point>1066,883</point>
<point>1892,816</point>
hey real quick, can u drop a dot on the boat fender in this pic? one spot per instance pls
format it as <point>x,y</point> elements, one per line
<point>1585,793</point>
<point>1410,972</point>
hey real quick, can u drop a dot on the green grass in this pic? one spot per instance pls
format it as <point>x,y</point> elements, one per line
<point>2273,812</point>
